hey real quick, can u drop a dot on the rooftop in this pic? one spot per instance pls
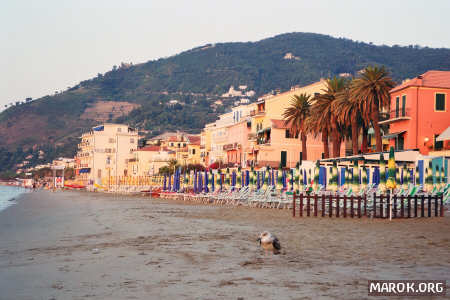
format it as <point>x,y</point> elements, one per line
<point>433,78</point>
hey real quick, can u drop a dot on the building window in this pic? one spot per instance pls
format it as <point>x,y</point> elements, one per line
<point>403,105</point>
<point>439,103</point>
<point>132,140</point>
<point>438,145</point>
<point>397,104</point>
<point>193,151</point>
<point>112,140</point>
<point>119,129</point>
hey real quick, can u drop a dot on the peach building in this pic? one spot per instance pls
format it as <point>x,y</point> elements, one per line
<point>104,152</point>
<point>419,113</point>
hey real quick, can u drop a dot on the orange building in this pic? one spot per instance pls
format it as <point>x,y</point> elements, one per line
<point>419,113</point>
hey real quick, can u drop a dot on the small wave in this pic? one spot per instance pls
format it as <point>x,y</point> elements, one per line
<point>8,195</point>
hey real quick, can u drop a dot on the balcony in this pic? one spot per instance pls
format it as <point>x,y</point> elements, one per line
<point>233,146</point>
<point>395,115</point>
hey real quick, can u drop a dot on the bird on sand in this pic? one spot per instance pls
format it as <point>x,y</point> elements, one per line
<point>269,242</point>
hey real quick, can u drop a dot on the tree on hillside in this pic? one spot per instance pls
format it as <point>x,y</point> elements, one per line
<point>371,91</point>
<point>295,117</point>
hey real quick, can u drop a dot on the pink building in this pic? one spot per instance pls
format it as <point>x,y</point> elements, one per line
<point>237,142</point>
<point>419,113</point>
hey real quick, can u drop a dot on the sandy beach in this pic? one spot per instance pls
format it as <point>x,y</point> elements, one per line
<point>77,245</point>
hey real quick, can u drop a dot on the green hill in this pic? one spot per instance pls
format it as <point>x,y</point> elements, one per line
<point>195,78</point>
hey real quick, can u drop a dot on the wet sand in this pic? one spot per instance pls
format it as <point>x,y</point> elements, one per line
<point>160,249</point>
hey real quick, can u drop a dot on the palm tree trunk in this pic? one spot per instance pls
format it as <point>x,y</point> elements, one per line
<point>326,151</point>
<point>335,140</point>
<point>355,135</point>
<point>375,116</point>
<point>304,151</point>
<point>364,139</point>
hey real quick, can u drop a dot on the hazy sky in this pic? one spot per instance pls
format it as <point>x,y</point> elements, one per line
<point>48,45</point>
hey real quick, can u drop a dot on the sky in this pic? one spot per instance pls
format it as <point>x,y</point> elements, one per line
<point>49,45</point>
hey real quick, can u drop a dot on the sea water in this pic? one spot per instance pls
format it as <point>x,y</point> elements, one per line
<point>8,194</point>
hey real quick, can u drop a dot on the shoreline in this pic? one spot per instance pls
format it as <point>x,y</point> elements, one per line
<point>154,248</point>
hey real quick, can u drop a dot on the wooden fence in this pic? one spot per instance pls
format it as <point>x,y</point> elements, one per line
<point>358,206</point>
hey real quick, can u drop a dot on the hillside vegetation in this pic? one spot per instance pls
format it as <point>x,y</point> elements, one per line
<point>196,78</point>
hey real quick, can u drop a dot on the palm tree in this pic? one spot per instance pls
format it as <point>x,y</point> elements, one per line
<point>295,117</point>
<point>348,114</point>
<point>324,116</point>
<point>371,91</point>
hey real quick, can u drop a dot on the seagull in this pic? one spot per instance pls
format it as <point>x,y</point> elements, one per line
<point>269,242</point>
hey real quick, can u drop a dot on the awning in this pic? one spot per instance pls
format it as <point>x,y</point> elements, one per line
<point>445,135</point>
<point>393,135</point>
<point>85,170</point>
<point>99,128</point>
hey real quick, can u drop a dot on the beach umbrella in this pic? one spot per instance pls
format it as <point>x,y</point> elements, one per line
<point>279,179</point>
<point>407,177</point>
<point>391,181</point>
<point>355,179</point>
<point>364,178</point>
<point>264,181</point>
<point>382,185</point>
<point>213,181</point>
<point>206,176</point>
<point>334,177</point>
<point>239,178</point>
<point>429,177</point>
<point>442,177</point>
<point>186,180</point>
<point>291,180</point>
<point>316,176</point>
<point>227,179</point>
<point>233,180</point>
<point>165,182</point>
<point>297,178</point>
<point>210,181</point>
<point>416,175</point>
<point>258,180</point>
<point>195,182</point>
<point>404,177</point>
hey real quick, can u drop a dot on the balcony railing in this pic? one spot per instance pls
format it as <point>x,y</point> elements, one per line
<point>231,146</point>
<point>395,115</point>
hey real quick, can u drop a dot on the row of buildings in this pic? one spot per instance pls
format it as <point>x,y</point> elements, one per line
<point>255,134</point>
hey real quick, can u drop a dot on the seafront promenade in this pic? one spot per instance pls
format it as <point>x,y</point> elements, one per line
<point>106,246</point>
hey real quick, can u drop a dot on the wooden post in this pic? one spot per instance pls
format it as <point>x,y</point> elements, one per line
<point>345,206</point>
<point>365,205</point>
<point>374,205</point>
<point>402,206</point>
<point>429,206</point>
<point>395,206</point>
<point>293,203</point>
<point>330,206</point>
<point>323,205</point>
<point>301,205</point>
<point>352,213</point>
<point>338,203</point>
<point>442,205</point>
<point>381,206</point>
<point>315,205</point>
<point>409,206</point>
<point>388,205</point>
<point>308,202</point>
<point>436,205</point>
<point>359,206</point>
<point>415,206</point>
<point>422,206</point>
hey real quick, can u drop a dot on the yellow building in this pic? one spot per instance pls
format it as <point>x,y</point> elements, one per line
<point>272,143</point>
<point>147,161</point>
